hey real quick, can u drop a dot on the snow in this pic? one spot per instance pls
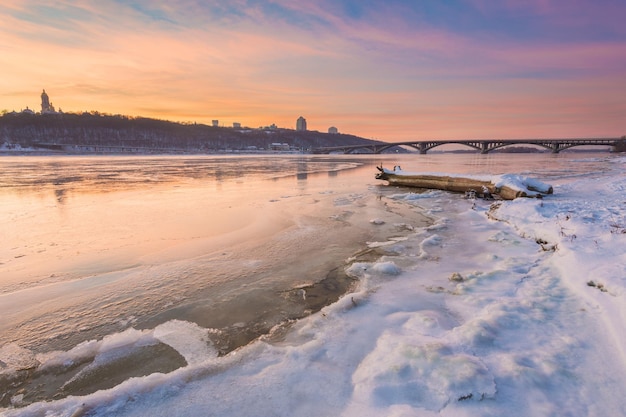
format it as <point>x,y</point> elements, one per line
<point>14,147</point>
<point>189,339</point>
<point>518,182</point>
<point>490,311</point>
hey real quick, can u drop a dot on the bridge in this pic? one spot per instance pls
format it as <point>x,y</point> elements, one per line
<point>482,145</point>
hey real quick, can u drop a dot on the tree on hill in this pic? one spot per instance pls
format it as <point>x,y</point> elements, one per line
<point>93,129</point>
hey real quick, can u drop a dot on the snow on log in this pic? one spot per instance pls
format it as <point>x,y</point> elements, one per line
<point>507,187</point>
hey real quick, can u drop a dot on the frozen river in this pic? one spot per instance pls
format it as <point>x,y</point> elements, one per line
<point>93,246</point>
<point>121,267</point>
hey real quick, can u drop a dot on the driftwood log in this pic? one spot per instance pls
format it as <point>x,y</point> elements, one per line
<point>481,187</point>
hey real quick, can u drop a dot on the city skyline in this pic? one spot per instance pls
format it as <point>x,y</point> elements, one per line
<point>398,70</point>
<point>48,108</point>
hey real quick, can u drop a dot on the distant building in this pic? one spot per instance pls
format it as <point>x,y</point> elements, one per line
<point>46,106</point>
<point>236,125</point>
<point>333,130</point>
<point>279,146</point>
<point>216,123</point>
<point>301,123</point>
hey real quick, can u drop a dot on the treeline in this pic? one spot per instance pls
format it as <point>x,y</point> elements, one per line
<point>99,130</point>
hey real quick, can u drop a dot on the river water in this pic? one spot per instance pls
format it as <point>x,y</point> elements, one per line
<point>98,246</point>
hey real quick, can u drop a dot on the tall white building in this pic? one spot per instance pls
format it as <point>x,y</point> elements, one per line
<point>301,123</point>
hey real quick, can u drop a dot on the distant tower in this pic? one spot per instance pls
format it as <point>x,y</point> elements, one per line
<point>46,106</point>
<point>333,130</point>
<point>45,102</point>
<point>301,123</point>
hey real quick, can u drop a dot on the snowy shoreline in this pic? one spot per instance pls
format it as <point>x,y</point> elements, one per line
<point>489,311</point>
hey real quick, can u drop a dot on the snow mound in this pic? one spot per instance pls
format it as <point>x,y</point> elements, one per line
<point>426,376</point>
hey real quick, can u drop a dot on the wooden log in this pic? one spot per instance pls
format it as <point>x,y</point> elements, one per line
<point>460,184</point>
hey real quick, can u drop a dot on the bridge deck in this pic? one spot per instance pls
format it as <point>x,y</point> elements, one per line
<point>482,145</point>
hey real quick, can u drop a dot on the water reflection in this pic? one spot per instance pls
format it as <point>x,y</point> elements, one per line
<point>106,174</point>
<point>302,170</point>
<point>60,194</point>
<point>162,226</point>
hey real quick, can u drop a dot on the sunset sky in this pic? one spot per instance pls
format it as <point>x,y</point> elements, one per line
<point>391,70</point>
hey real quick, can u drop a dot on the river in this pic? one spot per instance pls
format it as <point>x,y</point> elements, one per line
<point>95,246</point>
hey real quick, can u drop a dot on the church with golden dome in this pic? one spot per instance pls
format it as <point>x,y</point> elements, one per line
<point>46,106</point>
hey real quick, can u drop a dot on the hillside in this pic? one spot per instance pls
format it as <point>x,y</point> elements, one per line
<point>95,132</point>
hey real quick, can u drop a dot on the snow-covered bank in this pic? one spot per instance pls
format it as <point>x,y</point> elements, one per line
<point>489,312</point>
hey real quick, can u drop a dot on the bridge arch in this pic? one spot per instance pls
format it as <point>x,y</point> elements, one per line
<point>349,151</point>
<point>424,147</point>
<point>572,145</point>
<point>499,145</point>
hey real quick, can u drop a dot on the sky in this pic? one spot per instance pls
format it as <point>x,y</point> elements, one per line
<point>392,70</point>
